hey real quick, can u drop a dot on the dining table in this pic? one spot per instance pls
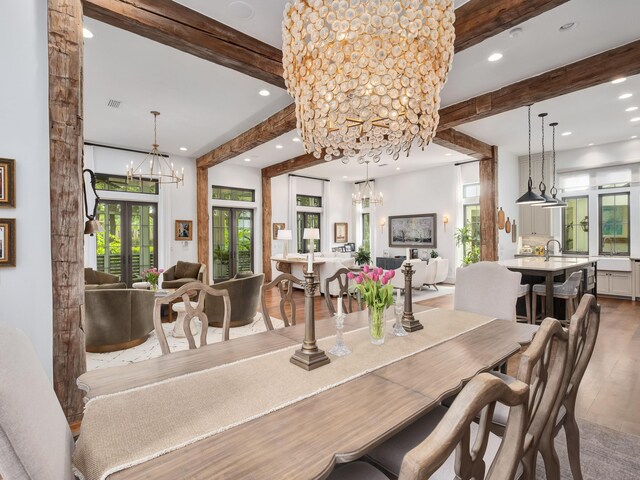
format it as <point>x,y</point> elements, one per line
<point>306,437</point>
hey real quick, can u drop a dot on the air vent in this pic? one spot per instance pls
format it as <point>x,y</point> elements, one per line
<point>114,103</point>
<point>383,165</point>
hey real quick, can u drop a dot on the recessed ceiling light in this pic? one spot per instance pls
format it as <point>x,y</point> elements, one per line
<point>344,176</point>
<point>590,145</point>
<point>247,159</point>
<point>397,168</point>
<point>448,154</point>
<point>635,119</point>
<point>566,134</point>
<point>631,109</point>
<point>279,146</point>
<point>619,80</point>
<point>494,57</point>
<point>86,33</point>
<point>241,10</point>
<point>515,32</point>
<point>633,137</point>
<point>624,96</point>
<point>296,139</point>
<point>184,149</point>
<point>567,26</point>
<point>264,92</point>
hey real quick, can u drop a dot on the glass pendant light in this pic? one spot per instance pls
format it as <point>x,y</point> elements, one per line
<point>554,191</point>
<point>548,200</point>
<point>529,197</point>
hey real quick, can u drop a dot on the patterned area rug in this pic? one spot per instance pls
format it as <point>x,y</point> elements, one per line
<point>151,348</point>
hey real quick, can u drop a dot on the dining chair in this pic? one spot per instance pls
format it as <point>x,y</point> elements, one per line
<point>435,437</point>
<point>568,291</point>
<point>343,291</point>
<point>583,332</point>
<point>35,439</point>
<point>284,283</point>
<point>192,310</point>
<point>487,288</point>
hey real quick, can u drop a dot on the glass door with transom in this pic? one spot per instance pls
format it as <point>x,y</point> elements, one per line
<point>232,242</point>
<point>128,244</point>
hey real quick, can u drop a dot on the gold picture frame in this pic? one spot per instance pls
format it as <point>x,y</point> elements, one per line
<point>276,228</point>
<point>184,230</point>
<point>7,183</point>
<point>340,232</point>
<point>7,242</point>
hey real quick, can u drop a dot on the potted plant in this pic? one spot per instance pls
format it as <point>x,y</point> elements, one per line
<point>363,256</point>
<point>377,293</point>
<point>434,254</point>
<point>469,239</point>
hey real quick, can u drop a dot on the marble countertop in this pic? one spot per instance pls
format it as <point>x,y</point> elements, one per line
<point>553,265</point>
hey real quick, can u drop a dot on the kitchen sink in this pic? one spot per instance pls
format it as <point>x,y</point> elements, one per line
<point>614,264</point>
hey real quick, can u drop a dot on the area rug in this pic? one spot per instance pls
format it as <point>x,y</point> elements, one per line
<point>430,293</point>
<point>151,348</point>
<point>605,454</point>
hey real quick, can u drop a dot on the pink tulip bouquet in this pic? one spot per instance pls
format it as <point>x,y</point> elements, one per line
<point>377,292</point>
<point>152,275</point>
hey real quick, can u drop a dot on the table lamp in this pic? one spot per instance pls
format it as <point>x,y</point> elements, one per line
<point>312,234</point>
<point>285,236</point>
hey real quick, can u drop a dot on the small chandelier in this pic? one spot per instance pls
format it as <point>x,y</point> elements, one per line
<point>160,168</point>
<point>366,76</point>
<point>366,194</point>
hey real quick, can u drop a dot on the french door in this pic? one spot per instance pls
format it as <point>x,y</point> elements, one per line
<point>232,242</point>
<point>129,242</point>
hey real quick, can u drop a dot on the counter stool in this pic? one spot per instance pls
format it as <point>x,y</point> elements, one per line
<point>181,310</point>
<point>569,291</point>
<point>525,291</point>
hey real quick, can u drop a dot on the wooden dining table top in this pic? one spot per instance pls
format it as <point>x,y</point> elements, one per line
<point>306,439</point>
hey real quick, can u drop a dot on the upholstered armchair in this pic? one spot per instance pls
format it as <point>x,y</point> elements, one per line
<point>182,273</point>
<point>245,295</point>
<point>95,280</point>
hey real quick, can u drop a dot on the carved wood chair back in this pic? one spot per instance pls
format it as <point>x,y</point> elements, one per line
<point>186,293</point>
<point>343,291</point>
<point>284,283</point>
<point>455,431</point>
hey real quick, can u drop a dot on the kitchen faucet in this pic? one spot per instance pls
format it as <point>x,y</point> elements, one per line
<point>546,255</point>
<point>613,245</point>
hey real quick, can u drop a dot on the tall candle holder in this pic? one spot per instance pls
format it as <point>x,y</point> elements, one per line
<point>409,322</point>
<point>340,349</point>
<point>309,356</point>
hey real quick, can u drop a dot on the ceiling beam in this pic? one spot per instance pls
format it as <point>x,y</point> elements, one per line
<point>177,26</point>
<point>463,143</point>
<point>619,62</point>
<point>478,20</point>
<point>298,163</point>
<point>281,122</point>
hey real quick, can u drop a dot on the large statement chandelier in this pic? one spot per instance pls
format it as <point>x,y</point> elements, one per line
<point>367,196</point>
<point>366,74</point>
<point>160,169</point>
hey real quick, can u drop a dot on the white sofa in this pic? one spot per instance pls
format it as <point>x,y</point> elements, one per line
<point>419,268</point>
<point>334,261</point>
<point>442,271</point>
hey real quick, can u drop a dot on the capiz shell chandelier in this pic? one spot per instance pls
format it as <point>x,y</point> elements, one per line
<point>366,74</point>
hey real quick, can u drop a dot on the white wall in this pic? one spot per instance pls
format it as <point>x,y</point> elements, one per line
<point>24,136</point>
<point>508,193</point>
<point>173,203</point>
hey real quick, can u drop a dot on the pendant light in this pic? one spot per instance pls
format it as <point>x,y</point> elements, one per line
<point>548,200</point>
<point>366,194</point>
<point>554,191</point>
<point>529,197</point>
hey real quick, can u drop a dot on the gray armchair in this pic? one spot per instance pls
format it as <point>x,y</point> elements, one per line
<point>182,273</point>
<point>95,280</point>
<point>117,319</point>
<point>244,294</point>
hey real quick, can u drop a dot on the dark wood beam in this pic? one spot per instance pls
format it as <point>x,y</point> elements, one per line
<point>281,122</point>
<point>288,166</point>
<point>65,174</point>
<point>620,62</point>
<point>478,20</point>
<point>463,143</point>
<point>266,227</point>
<point>489,207</point>
<point>202,204</point>
<point>177,26</point>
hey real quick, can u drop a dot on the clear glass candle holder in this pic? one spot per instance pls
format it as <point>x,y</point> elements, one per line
<point>339,349</point>
<point>398,329</point>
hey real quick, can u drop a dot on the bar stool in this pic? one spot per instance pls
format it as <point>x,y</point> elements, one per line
<point>568,291</point>
<point>525,291</point>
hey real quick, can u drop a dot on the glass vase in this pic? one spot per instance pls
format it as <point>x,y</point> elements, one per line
<point>376,325</point>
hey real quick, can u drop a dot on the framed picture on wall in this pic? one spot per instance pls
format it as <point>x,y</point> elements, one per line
<point>7,242</point>
<point>413,231</point>
<point>184,230</point>
<point>276,228</point>
<point>340,232</point>
<point>7,182</point>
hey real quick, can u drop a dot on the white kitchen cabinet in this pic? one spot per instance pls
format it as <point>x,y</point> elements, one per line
<point>636,267</point>
<point>615,283</point>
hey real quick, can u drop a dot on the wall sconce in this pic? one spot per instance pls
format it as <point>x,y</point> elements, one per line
<point>383,222</point>
<point>445,220</point>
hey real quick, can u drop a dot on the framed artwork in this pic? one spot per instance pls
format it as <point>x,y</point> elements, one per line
<point>340,232</point>
<point>7,242</point>
<point>184,230</point>
<point>413,231</point>
<point>276,228</point>
<point>7,182</point>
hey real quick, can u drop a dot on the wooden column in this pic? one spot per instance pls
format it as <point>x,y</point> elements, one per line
<point>67,238</point>
<point>489,207</point>
<point>266,226</point>
<point>202,205</point>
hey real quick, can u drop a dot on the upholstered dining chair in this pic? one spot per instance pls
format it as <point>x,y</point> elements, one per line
<point>568,291</point>
<point>340,277</point>
<point>284,283</point>
<point>193,310</point>
<point>487,288</point>
<point>35,440</point>
<point>452,429</point>
<point>583,331</point>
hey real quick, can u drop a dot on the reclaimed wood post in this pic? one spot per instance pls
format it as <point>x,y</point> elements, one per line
<point>409,322</point>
